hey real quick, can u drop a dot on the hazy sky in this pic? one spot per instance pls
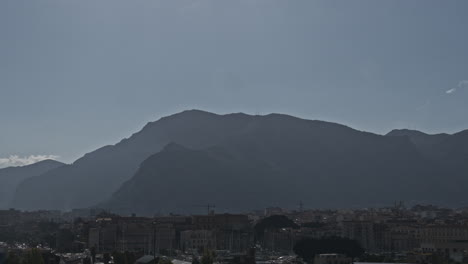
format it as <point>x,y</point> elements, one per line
<point>78,74</point>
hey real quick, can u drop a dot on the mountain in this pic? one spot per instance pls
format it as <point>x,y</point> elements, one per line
<point>12,176</point>
<point>240,162</point>
<point>279,160</point>
<point>426,143</point>
<point>450,154</point>
<point>94,177</point>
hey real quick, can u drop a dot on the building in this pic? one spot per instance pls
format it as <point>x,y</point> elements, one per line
<point>220,221</point>
<point>456,251</point>
<point>197,240</point>
<point>361,231</point>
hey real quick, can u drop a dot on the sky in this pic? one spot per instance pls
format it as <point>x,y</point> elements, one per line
<point>79,74</point>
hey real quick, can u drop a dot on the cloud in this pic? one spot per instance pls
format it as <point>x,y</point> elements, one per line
<point>461,85</point>
<point>451,91</point>
<point>15,160</point>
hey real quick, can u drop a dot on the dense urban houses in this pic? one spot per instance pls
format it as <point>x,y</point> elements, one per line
<point>424,234</point>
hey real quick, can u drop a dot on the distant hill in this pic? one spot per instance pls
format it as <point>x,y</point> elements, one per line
<point>240,162</point>
<point>426,143</point>
<point>450,154</point>
<point>12,176</point>
<point>94,177</point>
<point>281,160</point>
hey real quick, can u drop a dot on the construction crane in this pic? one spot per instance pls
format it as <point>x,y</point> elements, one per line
<point>207,206</point>
<point>301,207</point>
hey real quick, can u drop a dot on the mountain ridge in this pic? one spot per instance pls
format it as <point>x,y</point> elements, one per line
<point>272,144</point>
<point>11,177</point>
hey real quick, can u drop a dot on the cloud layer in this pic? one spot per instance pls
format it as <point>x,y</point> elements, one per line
<point>462,84</point>
<point>15,160</point>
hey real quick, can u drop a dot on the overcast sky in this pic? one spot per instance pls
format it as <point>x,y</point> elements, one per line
<point>79,74</point>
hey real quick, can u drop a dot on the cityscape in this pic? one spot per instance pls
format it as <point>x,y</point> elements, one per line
<point>420,234</point>
<point>233,132</point>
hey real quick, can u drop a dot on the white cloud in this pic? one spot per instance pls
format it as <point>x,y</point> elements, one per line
<point>461,85</point>
<point>451,91</point>
<point>15,160</point>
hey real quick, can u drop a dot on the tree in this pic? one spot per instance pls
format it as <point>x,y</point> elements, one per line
<point>273,222</point>
<point>130,257</point>
<point>208,257</point>
<point>124,257</point>
<point>12,258</point>
<point>65,238</point>
<point>33,256</point>
<point>164,261</point>
<point>107,258</point>
<point>93,254</point>
<point>119,257</point>
<point>308,248</point>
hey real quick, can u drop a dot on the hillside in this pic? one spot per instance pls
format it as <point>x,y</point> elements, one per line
<point>281,160</point>
<point>240,162</point>
<point>12,176</point>
<point>94,177</point>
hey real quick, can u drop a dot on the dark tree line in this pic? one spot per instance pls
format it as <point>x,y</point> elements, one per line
<point>123,257</point>
<point>273,222</point>
<point>31,256</point>
<point>308,248</point>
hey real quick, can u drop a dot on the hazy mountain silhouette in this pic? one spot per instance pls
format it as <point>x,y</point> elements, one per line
<point>239,161</point>
<point>450,154</point>
<point>94,177</point>
<point>280,160</point>
<point>426,143</point>
<point>12,176</point>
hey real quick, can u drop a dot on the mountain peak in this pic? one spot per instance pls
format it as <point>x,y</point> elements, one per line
<point>254,148</point>
<point>406,132</point>
<point>192,113</point>
<point>11,178</point>
<point>49,161</point>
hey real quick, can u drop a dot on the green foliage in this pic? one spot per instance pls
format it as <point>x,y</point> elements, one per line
<point>164,261</point>
<point>65,238</point>
<point>274,222</point>
<point>33,256</point>
<point>93,254</point>
<point>107,258</point>
<point>87,261</point>
<point>208,257</point>
<point>51,258</point>
<point>123,257</point>
<point>12,258</point>
<point>119,258</point>
<point>308,248</point>
<point>130,257</point>
<point>195,260</point>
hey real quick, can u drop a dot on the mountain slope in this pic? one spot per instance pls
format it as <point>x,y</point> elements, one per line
<point>245,161</point>
<point>427,144</point>
<point>94,177</point>
<point>280,160</point>
<point>11,177</point>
